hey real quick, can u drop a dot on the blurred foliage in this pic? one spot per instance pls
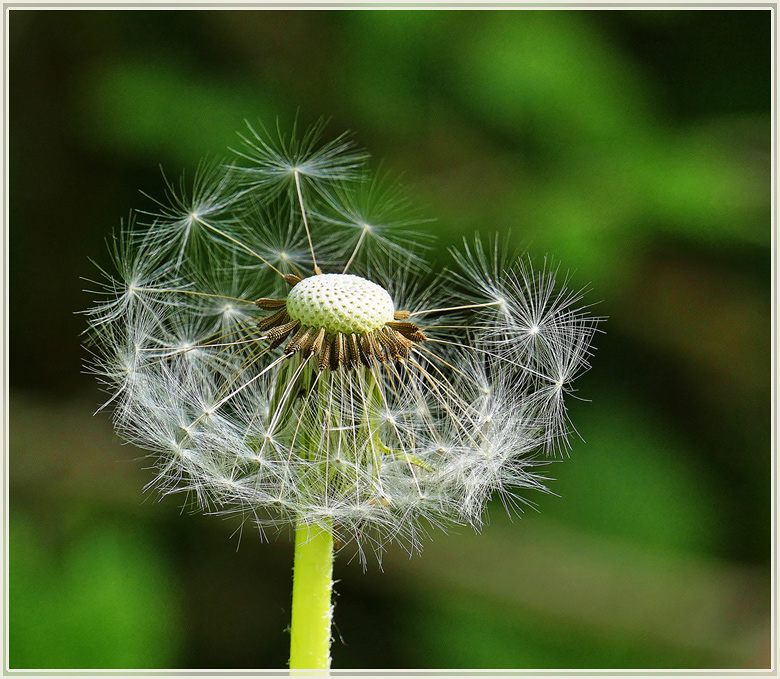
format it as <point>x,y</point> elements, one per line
<point>654,474</point>
<point>106,600</point>
<point>632,147</point>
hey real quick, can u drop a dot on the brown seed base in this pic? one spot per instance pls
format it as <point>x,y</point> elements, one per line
<point>393,342</point>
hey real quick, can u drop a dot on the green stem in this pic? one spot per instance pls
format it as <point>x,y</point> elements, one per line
<point>311,598</point>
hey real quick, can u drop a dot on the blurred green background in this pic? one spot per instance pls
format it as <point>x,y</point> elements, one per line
<point>631,146</point>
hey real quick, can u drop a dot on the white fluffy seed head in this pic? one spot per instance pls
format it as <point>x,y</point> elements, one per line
<point>377,454</point>
<point>340,303</point>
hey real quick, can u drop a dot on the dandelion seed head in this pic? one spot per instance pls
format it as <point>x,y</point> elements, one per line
<point>275,337</point>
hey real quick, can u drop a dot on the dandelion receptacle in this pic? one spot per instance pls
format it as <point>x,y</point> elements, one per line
<point>274,335</point>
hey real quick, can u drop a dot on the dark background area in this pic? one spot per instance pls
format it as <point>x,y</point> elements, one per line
<point>633,147</point>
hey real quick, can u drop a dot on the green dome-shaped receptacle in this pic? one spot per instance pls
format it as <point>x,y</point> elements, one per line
<point>340,303</point>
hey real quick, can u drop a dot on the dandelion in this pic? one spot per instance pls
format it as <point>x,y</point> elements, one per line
<point>276,340</point>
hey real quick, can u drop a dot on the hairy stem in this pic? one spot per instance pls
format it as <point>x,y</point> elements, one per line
<point>311,598</point>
